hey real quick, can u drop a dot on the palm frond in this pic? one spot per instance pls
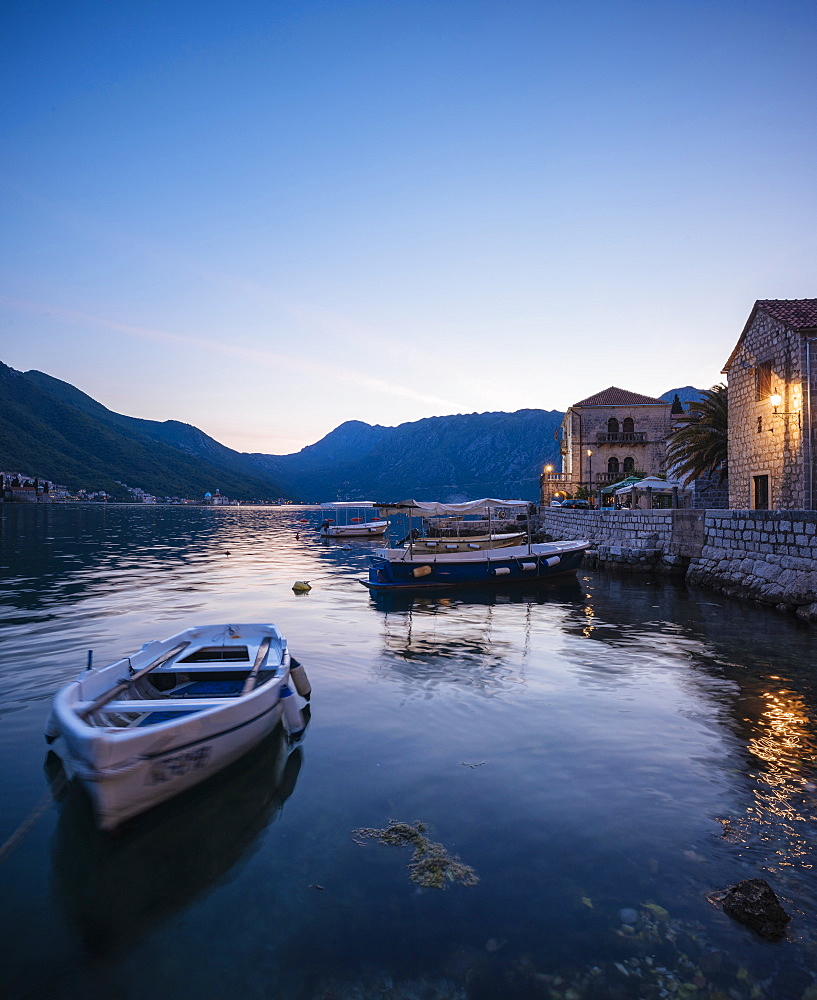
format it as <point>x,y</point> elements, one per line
<point>699,447</point>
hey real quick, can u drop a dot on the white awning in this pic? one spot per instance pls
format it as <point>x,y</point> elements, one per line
<point>341,504</point>
<point>431,508</point>
<point>654,483</point>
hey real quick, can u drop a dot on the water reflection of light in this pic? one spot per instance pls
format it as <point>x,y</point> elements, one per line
<point>784,744</point>
<point>589,615</point>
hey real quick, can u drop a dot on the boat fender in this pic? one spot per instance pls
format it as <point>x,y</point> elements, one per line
<point>293,717</point>
<point>553,561</point>
<point>502,570</point>
<point>299,678</point>
<point>52,727</point>
<point>528,566</point>
<point>473,545</point>
<point>421,571</point>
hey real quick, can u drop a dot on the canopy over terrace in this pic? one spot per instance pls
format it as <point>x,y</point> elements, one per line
<point>650,486</point>
<point>428,508</point>
<point>614,487</point>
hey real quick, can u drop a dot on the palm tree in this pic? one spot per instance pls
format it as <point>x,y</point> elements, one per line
<point>699,446</point>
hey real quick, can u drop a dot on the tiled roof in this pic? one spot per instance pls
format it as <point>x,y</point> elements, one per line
<point>619,397</point>
<point>799,314</point>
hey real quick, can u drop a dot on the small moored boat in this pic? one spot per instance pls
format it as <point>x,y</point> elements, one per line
<point>351,519</point>
<point>153,724</point>
<point>418,566</point>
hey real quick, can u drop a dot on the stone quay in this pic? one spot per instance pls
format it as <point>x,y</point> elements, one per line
<point>765,556</point>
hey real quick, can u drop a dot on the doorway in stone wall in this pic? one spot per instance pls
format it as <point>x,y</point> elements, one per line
<point>760,492</point>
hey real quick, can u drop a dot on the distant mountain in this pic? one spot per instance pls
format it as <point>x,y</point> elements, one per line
<point>444,458</point>
<point>687,394</point>
<point>50,429</point>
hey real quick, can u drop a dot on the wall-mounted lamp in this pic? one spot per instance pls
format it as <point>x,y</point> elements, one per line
<point>776,399</point>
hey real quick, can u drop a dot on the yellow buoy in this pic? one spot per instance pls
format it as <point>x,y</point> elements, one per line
<point>301,586</point>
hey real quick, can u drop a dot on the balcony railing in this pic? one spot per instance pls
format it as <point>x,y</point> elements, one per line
<point>630,437</point>
<point>609,477</point>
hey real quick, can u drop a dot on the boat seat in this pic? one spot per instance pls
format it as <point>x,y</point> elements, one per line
<point>140,705</point>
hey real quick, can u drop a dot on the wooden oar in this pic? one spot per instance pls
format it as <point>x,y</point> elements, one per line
<point>263,649</point>
<point>109,695</point>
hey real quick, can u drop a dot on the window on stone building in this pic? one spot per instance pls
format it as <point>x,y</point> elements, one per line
<point>763,380</point>
<point>629,465</point>
<point>628,426</point>
<point>612,426</point>
<point>612,465</point>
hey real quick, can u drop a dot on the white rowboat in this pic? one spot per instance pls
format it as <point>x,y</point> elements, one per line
<point>151,725</point>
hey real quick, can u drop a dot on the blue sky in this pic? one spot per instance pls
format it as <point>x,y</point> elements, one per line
<point>265,218</point>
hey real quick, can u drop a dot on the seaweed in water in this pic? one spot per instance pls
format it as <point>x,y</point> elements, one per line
<point>431,865</point>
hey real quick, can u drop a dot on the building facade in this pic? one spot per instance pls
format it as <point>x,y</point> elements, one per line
<point>772,379</point>
<point>607,437</point>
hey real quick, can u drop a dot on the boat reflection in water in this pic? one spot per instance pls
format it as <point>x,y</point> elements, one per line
<point>559,590</point>
<point>114,887</point>
<point>469,636</point>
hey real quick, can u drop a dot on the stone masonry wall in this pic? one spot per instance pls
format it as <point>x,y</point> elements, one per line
<point>762,442</point>
<point>766,556</point>
<point>648,541</point>
<point>769,556</point>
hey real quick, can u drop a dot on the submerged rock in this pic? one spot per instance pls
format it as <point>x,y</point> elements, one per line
<point>431,867</point>
<point>754,903</point>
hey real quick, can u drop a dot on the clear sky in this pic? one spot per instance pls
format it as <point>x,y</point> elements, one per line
<point>265,217</point>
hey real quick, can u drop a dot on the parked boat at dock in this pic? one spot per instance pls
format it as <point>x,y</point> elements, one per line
<point>151,725</point>
<point>350,519</point>
<point>416,566</point>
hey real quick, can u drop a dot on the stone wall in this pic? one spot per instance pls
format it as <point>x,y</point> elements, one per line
<point>769,556</point>
<point>651,541</point>
<point>763,442</point>
<point>766,556</point>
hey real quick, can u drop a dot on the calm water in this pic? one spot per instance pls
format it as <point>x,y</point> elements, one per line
<point>632,747</point>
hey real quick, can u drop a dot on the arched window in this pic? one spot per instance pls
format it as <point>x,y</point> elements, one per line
<point>629,465</point>
<point>612,465</point>
<point>628,426</point>
<point>612,426</point>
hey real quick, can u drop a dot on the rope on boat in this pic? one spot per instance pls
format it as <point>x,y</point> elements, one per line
<point>28,823</point>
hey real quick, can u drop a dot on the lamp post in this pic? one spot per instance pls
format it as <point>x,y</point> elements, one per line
<point>590,472</point>
<point>548,470</point>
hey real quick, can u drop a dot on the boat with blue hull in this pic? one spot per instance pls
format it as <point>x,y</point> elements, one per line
<point>403,569</point>
<point>412,567</point>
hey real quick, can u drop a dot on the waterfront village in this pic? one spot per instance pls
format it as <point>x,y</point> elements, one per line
<point>21,487</point>
<point>747,527</point>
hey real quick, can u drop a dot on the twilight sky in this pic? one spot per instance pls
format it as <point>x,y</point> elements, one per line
<point>265,217</point>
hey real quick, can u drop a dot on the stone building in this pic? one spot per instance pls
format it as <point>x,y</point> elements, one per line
<point>609,436</point>
<point>772,378</point>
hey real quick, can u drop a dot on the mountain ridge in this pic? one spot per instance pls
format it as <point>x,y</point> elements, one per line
<point>51,428</point>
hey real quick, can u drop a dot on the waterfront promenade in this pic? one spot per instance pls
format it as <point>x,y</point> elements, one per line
<point>762,555</point>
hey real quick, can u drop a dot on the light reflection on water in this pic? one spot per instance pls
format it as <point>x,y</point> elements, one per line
<point>591,746</point>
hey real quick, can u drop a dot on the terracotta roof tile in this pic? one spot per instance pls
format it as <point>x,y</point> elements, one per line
<point>799,314</point>
<point>619,397</point>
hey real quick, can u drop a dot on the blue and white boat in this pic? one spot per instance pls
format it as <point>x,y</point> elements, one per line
<point>413,566</point>
<point>153,724</point>
<point>351,519</point>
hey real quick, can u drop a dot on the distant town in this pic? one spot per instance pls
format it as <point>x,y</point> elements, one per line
<point>21,487</point>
